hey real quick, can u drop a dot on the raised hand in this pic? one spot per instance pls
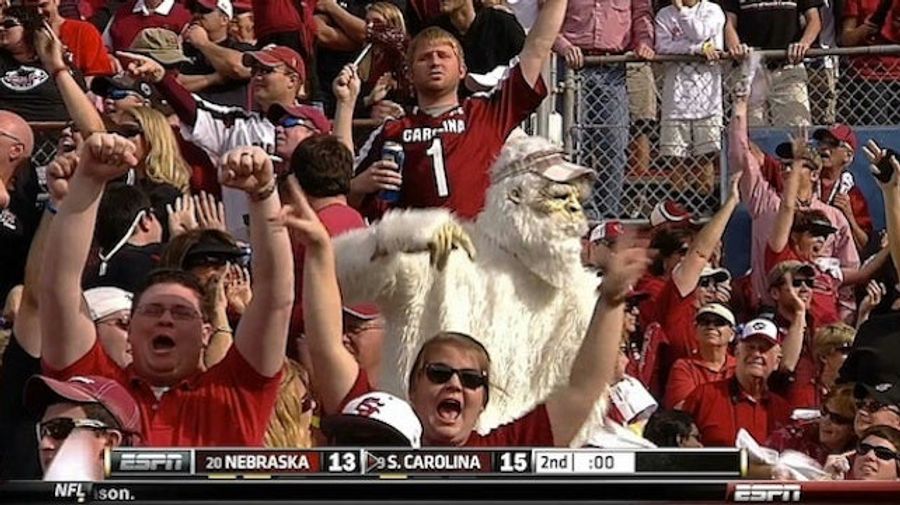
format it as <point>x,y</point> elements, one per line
<point>142,68</point>
<point>210,212</point>
<point>884,163</point>
<point>448,237</point>
<point>385,84</point>
<point>182,216</point>
<point>794,302</point>
<point>237,288</point>
<point>59,171</point>
<point>49,49</point>
<point>734,185</point>
<point>249,169</point>
<point>346,85</point>
<point>195,34</point>
<point>106,156</point>
<point>300,217</point>
<point>625,269</point>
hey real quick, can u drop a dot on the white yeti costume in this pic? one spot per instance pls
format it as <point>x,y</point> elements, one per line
<point>525,296</point>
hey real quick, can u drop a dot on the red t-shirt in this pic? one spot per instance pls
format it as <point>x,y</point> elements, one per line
<point>721,408</point>
<point>688,373</point>
<point>676,314</point>
<point>874,68</point>
<point>126,24</point>
<point>88,52</point>
<point>286,16</point>
<point>531,430</point>
<point>652,285</point>
<point>227,405</point>
<point>337,218</point>
<point>824,302</point>
<point>448,157</point>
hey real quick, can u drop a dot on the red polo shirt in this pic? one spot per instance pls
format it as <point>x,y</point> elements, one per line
<point>531,430</point>
<point>676,314</point>
<point>721,408</point>
<point>228,405</point>
<point>127,24</point>
<point>688,373</point>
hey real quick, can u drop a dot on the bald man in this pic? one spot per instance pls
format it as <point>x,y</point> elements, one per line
<point>16,144</point>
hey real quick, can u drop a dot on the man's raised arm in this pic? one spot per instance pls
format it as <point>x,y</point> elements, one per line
<point>540,39</point>
<point>262,333</point>
<point>66,328</point>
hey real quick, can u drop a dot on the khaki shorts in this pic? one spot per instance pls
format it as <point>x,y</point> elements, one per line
<point>641,91</point>
<point>684,137</point>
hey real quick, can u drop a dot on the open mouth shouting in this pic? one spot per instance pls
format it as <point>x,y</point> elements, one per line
<point>449,410</point>
<point>162,344</point>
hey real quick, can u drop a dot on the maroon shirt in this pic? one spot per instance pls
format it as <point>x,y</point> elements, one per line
<point>448,157</point>
<point>531,430</point>
<point>126,23</point>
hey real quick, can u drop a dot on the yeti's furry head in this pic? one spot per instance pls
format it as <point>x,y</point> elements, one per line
<point>533,207</point>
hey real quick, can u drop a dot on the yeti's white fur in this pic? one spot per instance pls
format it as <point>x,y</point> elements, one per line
<point>526,296</point>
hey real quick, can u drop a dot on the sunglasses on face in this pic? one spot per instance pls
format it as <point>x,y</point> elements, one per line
<point>61,427</point>
<point>179,312</point>
<point>836,418</point>
<point>439,373</point>
<point>802,281</point>
<point>711,321</point>
<point>882,453</point>
<point>10,23</point>
<point>291,122</point>
<point>120,94</point>
<point>128,130</point>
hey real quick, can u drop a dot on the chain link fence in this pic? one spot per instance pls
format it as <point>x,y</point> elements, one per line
<point>656,131</point>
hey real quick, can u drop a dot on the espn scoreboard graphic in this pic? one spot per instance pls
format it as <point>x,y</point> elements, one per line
<point>132,463</point>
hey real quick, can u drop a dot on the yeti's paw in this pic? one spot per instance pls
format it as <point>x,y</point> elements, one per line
<point>448,237</point>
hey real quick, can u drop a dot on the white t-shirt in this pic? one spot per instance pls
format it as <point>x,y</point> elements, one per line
<point>219,129</point>
<point>691,90</point>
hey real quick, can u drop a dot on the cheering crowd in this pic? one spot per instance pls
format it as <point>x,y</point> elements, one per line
<point>170,277</point>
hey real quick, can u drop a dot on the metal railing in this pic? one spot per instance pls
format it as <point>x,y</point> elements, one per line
<point>614,118</point>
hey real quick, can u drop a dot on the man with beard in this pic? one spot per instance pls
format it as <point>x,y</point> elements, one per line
<point>181,405</point>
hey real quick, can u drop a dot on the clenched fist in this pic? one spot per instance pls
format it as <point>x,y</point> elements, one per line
<point>249,169</point>
<point>106,156</point>
<point>59,171</point>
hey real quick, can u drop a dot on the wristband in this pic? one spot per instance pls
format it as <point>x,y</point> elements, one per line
<point>54,73</point>
<point>50,207</point>
<point>264,193</point>
<point>222,330</point>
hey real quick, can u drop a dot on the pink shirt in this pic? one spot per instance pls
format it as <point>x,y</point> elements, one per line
<point>762,202</point>
<point>613,26</point>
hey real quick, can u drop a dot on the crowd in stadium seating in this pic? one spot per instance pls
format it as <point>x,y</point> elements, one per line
<point>169,275</point>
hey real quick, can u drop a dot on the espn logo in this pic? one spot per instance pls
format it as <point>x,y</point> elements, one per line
<point>766,493</point>
<point>130,462</point>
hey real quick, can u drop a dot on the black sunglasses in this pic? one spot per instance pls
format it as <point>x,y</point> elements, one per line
<point>61,427</point>
<point>836,418</point>
<point>882,453</point>
<point>808,282</point>
<point>439,373</point>
<point>10,23</point>
<point>128,130</point>
<point>712,321</point>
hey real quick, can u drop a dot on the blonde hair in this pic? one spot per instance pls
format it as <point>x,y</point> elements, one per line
<point>391,13</point>
<point>830,338</point>
<point>432,36</point>
<point>163,161</point>
<point>291,421</point>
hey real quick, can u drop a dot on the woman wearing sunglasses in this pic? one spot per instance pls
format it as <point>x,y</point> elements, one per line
<point>877,455</point>
<point>449,383</point>
<point>830,433</point>
<point>158,154</point>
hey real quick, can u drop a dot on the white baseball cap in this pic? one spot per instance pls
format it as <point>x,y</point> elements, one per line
<point>391,420</point>
<point>106,300</point>
<point>761,327</point>
<point>717,309</point>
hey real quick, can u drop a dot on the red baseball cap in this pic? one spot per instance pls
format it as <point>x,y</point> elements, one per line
<point>273,55</point>
<point>241,6</point>
<point>606,230</point>
<point>669,211</point>
<point>840,132</point>
<point>313,116</point>
<point>365,311</point>
<point>42,391</point>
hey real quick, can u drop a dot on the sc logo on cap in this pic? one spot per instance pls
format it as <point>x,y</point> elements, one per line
<point>369,406</point>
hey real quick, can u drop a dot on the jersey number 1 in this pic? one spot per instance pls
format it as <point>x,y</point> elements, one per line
<point>436,151</point>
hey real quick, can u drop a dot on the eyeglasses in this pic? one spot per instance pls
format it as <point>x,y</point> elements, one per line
<point>836,418</point>
<point>12,137</point>
<point>870,406</point>
<point>120,322</point>
<point>711,321</point>
<point>802,281</point>
<point>290,122</point>
<point>882,453</point>
<point>120,94</point>
<point>61,427</point>
<point>263,70</point>
<point>439,373</point>
<point>179,312</point>
<point>9,23</point>
<point>128,130</point>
